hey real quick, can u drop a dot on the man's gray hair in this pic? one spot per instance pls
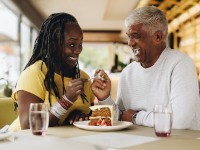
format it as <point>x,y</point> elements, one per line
<point>152,19</point>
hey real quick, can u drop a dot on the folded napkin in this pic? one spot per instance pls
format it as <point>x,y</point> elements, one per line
<point>5,134</point>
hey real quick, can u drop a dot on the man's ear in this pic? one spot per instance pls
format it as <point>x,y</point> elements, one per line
<point>158,36</point>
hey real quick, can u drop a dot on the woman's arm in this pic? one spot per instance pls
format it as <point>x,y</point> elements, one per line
<point>24,100</point>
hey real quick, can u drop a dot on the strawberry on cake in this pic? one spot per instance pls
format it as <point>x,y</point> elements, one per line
<point>102,115</point>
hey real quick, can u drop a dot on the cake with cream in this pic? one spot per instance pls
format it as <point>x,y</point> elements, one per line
<point>102,115</point>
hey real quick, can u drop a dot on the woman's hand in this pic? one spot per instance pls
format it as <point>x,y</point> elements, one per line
<point>76,115</point>
<point>101,88</point>
<point>74,89</point>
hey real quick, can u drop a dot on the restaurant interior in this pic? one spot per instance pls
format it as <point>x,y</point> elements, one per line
<point>102,22</point>
<point>104,47</point>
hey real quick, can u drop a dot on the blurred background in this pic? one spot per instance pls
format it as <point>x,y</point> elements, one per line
<point>102,21</point>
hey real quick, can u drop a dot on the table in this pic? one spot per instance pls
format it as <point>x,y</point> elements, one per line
<point>69,138</point>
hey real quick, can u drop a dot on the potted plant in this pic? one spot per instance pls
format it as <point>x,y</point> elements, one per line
<point>7,89</point>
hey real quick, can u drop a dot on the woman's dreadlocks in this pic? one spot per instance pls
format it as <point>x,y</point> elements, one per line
<point>51,34</point>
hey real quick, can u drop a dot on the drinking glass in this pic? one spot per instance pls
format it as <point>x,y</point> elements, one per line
<point>38,118</point>
<point>162,120</point>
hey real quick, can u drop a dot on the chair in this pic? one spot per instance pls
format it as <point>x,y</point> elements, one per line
<point>7,113</point>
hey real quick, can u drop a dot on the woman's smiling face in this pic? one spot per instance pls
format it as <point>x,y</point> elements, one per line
<point>73,38</point>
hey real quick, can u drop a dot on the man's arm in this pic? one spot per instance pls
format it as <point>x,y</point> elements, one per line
<point>184,94</point>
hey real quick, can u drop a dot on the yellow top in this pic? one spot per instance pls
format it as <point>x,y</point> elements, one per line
<point>32,81</point>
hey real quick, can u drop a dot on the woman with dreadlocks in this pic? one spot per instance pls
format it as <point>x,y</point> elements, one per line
<point>52,74</point>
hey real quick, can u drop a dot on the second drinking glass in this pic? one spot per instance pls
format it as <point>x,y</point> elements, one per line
<point>162,120</point>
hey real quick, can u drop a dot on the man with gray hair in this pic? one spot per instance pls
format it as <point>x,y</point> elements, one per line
<point>159,75</point>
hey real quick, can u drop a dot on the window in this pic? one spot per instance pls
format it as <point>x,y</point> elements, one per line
<point>9,47</point>
<point>16,44</point>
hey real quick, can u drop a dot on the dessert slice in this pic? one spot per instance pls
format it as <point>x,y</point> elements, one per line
<point>102,115</point>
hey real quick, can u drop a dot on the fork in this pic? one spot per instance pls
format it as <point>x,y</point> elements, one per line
<point>96,77</point>
<point>92,78</point>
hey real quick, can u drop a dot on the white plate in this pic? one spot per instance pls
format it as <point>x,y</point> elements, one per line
<point>118,125</point>
<point>6,135</point>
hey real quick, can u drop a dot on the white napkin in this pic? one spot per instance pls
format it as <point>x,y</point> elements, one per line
<point>5,134</point>
<point>114,140</point>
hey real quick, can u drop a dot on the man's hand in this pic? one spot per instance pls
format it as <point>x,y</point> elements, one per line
<point>127,115</point>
